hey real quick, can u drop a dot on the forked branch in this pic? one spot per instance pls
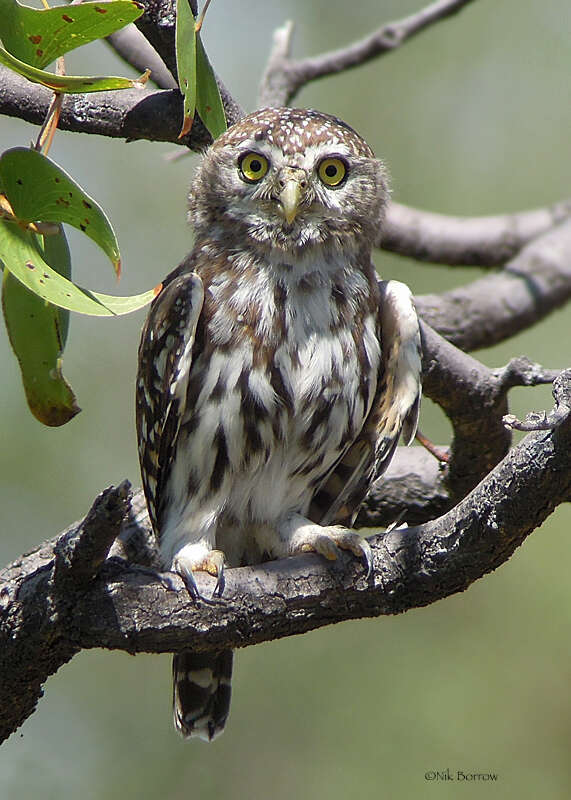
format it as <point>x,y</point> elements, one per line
<point>131,608</point>
<point>284,76</point>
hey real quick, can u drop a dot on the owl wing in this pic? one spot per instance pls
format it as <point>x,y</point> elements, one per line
<point>165,360</point>
<point>394,411</point>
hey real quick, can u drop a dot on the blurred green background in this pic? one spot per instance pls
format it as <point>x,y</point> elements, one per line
<point>473,117</point>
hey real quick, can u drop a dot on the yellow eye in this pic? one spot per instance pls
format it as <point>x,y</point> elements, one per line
<point>332,171</point>
<point>253,167</point>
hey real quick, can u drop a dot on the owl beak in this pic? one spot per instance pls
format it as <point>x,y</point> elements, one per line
<point>292,182</point>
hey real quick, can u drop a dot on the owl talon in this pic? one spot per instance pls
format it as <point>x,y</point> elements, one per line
<point>303,535</point>
<point>356,544</point>
<point>182,569</point>
<point>216,567</point>
<point>211,562</point>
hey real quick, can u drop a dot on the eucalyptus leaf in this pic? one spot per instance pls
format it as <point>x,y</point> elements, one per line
<point>20,256</point>
<point>208,101</point>
<point>39,36</point>
<point>186,61</point>
<point>37,331</point>
<point>68,84</point>
<point>40,190</point>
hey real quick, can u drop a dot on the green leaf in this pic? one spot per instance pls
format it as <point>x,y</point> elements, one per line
<point>208,101</point>
<point>68,84</point>
<point>39,36</point>
<point>40,191</point>
<point>186,61</point>
<point>20,256</point>
<point>55,252</point>
<point>37,332</point>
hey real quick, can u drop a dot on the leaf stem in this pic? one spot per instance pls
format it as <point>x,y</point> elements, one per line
<point>200,20</point>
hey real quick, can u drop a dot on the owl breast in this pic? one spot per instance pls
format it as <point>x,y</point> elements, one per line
<point>284,381</point>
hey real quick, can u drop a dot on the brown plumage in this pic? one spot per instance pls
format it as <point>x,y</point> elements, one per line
<point>275,373</point>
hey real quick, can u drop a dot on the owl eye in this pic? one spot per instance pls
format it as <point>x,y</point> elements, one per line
<point>332,171</point>
<point>253,167</point>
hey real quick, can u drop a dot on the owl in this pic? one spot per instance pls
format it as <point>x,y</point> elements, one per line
<point>276,373</point>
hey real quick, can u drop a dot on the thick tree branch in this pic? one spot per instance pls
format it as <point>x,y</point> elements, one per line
<point>532,285</point>
<point>131,608</point>
<point>127,114</point>
<point>465,241</point>
<point>284,77</point>
<point>36,593</point>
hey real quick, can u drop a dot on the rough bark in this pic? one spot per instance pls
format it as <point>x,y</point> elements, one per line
<point>63,597</point>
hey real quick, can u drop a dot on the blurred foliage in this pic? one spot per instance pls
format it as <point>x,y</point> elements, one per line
<point>472,117</point>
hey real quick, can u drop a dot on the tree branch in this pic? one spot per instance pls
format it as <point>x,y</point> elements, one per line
<point>158,24</point>
<point>417,487</point>
<point>36,594</point>
<point>130,608</point>
<point>284,77</point>
<point>532,285</point>
<point>127,114</point>
<point>130,45</point>
<point>465,241</point>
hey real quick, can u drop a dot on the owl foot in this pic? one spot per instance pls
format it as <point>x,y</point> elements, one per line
<point>187,563</point>
<point>305,536</point>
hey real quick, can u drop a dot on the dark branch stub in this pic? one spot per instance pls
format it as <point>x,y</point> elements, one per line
<point>541,421</point>
<point>80,553</point>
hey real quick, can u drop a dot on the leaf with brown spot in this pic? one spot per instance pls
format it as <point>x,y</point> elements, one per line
<point>70,84</point>
<point>22,26</point>
<point>37,332</point>
<point>39,190</point>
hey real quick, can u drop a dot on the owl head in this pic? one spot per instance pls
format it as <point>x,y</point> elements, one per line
<point>290,179</point>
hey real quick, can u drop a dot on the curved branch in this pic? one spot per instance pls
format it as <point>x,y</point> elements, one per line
<point>489,310</point>
<point>130,45</point>
<point>132,608</point>
<point>417,487</point>
<point>284,77</point>
<point>465,241</point>
<point>157,25</point>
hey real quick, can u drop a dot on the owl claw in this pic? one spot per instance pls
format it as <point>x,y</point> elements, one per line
<point>356,544</point>
<point>212,562</point>
<point>216,567</point>
<point>327,540</point>
<point>186,574</point>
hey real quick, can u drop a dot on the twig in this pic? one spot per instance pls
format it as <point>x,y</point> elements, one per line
<point>284,77</point>
<point>440,455</point>
<point>520,371</point>
<point>49,126</point>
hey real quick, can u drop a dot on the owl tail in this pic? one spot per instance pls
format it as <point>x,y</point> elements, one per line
<point>201,692</point>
